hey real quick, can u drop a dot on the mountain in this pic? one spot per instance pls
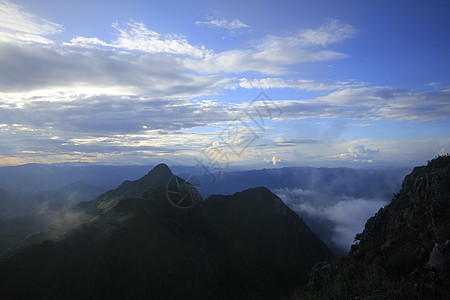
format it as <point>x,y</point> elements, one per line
<point>86,210</point>
<point>330,182</point>
<point>316,194</point>
<point>325,198</point>
<point>248,245</point>
<point>404,250</point>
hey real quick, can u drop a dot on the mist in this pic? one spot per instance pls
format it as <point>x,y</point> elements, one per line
<point>336,219</point>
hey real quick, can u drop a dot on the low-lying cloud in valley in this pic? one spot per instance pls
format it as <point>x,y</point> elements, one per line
<point>346,215</point>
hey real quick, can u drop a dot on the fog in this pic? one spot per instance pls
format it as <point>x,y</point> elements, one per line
<point>346,215</point>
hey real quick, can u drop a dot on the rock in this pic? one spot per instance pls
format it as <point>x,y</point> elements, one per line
<point>386,246</point>
<point>438,257</point>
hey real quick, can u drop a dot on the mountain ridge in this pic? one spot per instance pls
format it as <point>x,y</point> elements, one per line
<point>246,245</point>
<point>404,250</point>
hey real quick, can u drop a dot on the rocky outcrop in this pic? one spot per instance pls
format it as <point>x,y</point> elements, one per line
<point>404,250</point>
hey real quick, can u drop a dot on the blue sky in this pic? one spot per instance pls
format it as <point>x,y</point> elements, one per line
<point>349,83</point>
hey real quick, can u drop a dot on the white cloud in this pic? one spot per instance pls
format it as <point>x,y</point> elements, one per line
<point>143,80</point>
<point>273,61</point>
<point>359,153</point>
<point>348,217</point>
<point>367,103</point>
<point>347,214</point>
<point>274,160</point>
<point>273,54</point>
<point>298,84</point>
<point>32,69</point>
<point>138,37</point>
<point>135,36</point>
<point>16,25</point>
<point>223,23</point>
<point>332,32</point>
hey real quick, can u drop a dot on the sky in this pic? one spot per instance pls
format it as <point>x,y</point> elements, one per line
<point>220,84</point>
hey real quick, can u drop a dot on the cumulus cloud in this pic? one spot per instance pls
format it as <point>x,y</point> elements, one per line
<point>359,153</point>
<point>224,23</point>
<point>274,160</point>
<point>138,37</point>
<point>135,36</point>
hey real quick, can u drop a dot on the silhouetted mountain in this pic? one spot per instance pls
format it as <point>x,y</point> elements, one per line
<point>332,182</point>
<point>86,210</point>
<point>314,193</point>
<point>404,250</point>
<point>249,245</point>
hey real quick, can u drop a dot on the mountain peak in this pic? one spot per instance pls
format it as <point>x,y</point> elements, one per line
<point>235,247</point>
<point>161,169</point>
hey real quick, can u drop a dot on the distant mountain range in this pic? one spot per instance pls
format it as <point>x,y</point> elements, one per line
<point>133,243</point>
<point>314,193</point>
<point>370,183</point>
<point>404,250</point>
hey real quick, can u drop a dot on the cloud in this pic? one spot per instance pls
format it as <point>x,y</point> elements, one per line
<point>126,90</point>
<point>273,54</point>
<point>148,64</point>
<point>138,37</point>
<point>371,103</point>
<point>350,216</point>
<point>298,84</point>
<point>27,68</point>
<point>274,160</point>
<point>94,98</point>
<point>331,32</point>
<point>347,215</point>
<point>113,115</point>
<point>359,153</point>
<point>16,25</point>
<point>225,24</point>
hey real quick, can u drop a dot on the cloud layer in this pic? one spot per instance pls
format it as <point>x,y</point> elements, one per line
<point>347,215</point>
<point>122,95</point>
